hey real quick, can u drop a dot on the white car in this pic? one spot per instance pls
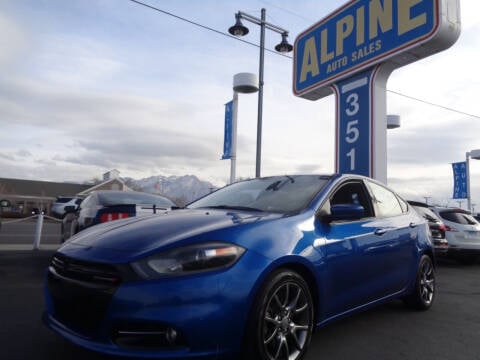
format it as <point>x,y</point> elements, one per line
<point>462,233</point>
<point>58,207</point>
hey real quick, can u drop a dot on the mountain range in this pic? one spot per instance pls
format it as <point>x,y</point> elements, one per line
<point>180,189</point>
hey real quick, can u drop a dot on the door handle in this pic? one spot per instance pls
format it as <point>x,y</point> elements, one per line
<point>380,232</point>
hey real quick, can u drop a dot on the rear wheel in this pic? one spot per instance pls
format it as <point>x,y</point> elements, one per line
<point>282,320</point>
<point>424,292</point>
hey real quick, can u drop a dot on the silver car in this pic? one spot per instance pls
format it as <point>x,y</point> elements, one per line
<point>462,233</point>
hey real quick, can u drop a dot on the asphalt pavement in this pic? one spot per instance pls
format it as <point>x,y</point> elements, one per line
<point>450,330</point>
<point>18,234</point>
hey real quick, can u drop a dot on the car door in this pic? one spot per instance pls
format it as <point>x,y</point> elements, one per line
<point>400,229</point>
<point>358,252</point>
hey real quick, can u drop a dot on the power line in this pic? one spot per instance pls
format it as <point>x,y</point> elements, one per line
<point>310,21</point>
<point>285,55</point>
<point>205,27</point>
<point>434,104</point>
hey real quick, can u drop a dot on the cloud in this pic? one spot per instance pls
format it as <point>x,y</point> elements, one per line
<point>14,41</point>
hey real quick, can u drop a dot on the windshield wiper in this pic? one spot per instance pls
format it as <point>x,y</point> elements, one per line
<point>234,207</point>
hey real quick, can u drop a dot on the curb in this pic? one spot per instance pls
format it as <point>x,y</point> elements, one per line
<point>26,247</point>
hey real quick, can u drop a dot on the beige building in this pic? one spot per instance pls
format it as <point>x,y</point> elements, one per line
<point>31,195</point>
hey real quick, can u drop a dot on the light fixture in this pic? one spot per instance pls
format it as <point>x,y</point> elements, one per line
<point>284,46</point>
<point>238,29</point>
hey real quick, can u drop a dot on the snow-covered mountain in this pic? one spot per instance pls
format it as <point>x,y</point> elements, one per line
<point>181,189</point>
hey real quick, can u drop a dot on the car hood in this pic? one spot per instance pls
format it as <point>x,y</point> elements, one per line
<point>125,240</point>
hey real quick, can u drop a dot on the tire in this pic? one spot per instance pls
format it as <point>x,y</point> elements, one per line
<point>281,323</point>
<point>424,292</point>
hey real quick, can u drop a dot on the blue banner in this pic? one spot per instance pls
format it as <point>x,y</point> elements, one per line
<point>228,135</point>
<point>460,180</point>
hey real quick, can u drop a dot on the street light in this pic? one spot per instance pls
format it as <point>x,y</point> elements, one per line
<point>474,154</point>
<point>240,30</point>
<point>393,122</point>
<point>244,83</point>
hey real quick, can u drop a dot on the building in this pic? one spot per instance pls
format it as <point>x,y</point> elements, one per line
<point>27,196</point>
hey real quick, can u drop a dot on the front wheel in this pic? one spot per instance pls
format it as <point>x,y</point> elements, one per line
<point>424,292</point>
<point>282,319</point>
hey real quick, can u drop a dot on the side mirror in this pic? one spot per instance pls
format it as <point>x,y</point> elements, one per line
<point>344,212</point>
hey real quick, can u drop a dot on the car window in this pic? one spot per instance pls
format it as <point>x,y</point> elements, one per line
<point>403,204</point>
<point>352,192</point>
<point>386,202</point>
<point>458,217</point>
<point>279,194</point>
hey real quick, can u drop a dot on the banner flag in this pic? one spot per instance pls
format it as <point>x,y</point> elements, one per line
<point>228,135</point>
<point>459,180</point>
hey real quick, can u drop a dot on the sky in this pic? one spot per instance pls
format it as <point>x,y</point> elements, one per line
<point>89,86</point>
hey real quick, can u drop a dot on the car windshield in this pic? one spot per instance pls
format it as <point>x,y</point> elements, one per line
<point>278,194</point>
<point>427,213</point>
<point>458,217</point>
<point>123,198</point>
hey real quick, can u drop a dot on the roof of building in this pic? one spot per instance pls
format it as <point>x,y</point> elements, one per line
<point>112,184</point>
<point>40,188</point>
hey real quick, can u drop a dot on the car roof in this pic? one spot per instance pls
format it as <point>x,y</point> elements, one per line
<point>447,209</point>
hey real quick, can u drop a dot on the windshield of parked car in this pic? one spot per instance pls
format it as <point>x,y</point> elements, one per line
<point>125,197</point>
<point>278,194</point>
<point>458,217</point>
<point>426,213</point>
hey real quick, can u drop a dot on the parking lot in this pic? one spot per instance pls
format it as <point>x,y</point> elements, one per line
<point>450,330</point>
<point>19,233</point>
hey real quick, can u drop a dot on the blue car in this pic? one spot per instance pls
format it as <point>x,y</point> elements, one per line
<point>248,271</point>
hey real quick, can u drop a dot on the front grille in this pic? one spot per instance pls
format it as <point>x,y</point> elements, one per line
<point>81,291</point>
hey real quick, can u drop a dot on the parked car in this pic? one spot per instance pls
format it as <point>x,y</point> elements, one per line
<point>3,205</point>
<point>250,269</point>
<point>58,207</point>
<point>107,205</point>
<point>462,232</point>
<point>437,227</point>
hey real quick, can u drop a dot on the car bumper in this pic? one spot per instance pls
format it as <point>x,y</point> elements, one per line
<point>207,313</point>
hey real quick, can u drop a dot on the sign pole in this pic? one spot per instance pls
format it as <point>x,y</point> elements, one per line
<point>467,170</point>
<point>361,111</point>
<point>233,159</point>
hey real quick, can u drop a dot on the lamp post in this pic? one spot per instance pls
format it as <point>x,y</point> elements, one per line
<point>245,83</point>
<point>474,154</point>
<point>240,30</point>
<point>393,122</point>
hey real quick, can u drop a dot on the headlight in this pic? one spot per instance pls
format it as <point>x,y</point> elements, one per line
<point>189,259</point>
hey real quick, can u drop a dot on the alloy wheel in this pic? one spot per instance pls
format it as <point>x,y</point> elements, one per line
<point>427,282</point>
<point>287,321</point>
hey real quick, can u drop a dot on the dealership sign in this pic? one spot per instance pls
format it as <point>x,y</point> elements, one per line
<point>367,32</point>
<point>373,38</point>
